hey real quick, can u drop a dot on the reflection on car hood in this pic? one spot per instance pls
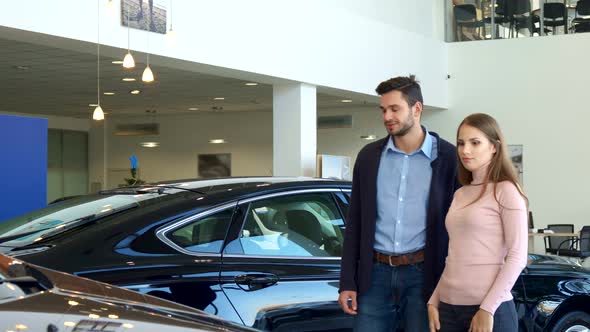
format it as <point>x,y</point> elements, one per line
<point>554,263</point>
<point>75,301</point>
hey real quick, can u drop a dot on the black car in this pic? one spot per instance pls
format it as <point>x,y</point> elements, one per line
<point>33,298</point>
<point>264,252</point>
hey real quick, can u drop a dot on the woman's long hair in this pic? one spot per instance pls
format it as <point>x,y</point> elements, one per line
<point>500,167</point>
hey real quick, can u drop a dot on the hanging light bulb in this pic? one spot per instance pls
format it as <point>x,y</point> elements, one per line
<point>171,32</point>
<point>98,114</point>
<point>128,61</point>
<point>148,75</point>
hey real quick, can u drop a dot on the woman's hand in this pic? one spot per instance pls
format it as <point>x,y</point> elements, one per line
<point>433,318</point>
<point>483,321</point>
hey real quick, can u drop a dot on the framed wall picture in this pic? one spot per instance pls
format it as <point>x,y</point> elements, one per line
<point>149,15</point>
<point>214,165</point>
<point>515,154</point>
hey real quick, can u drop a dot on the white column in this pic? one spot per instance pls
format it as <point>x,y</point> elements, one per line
<point>294,130</point>
<point>97,155</point>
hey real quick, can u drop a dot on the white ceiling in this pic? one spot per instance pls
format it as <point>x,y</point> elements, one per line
<point>62,81</point>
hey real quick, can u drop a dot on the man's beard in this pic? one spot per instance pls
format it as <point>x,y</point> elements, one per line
<point>406,127</point>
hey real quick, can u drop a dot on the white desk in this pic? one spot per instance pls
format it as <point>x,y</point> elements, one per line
<point>533,235</point>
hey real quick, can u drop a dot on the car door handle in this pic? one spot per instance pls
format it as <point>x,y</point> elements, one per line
<point>255,281</point>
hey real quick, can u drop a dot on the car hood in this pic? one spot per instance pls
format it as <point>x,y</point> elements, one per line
<point>65,300</point>
<point>556,264</point>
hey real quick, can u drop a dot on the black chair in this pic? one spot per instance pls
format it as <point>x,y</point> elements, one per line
<point>582,24</point>
<point>555,15</point>
<point>531,222</point>
<point>500,14</point>
<point>519,15</point>
<point>466,17</point>
<point>552,242</point>
<point>569,247</point>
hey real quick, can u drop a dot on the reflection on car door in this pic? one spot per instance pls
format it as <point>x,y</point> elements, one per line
<point>281,269</point>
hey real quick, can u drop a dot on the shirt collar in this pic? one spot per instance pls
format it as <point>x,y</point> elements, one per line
<point>426,147</point>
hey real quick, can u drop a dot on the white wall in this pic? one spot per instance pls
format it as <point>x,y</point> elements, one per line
<point>537,89</point>
<point>59,122</point>
<point>347,45</point>
<point>183,138</point>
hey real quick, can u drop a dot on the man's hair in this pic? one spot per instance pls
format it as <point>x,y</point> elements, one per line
<point>408,86</point>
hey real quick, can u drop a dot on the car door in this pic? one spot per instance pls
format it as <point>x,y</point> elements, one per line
<point>281,270</point>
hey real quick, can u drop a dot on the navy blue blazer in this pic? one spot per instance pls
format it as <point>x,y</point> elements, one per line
<point>357,257</point>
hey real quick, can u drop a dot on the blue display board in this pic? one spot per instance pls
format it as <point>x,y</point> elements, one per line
<point>23,165</point>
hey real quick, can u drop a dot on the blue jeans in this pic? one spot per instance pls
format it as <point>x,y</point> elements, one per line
<point>394,300</point>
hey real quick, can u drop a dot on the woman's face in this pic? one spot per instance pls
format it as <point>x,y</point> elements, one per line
<point>475,149</point>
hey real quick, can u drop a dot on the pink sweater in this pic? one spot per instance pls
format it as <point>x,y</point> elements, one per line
<point>487,247</point>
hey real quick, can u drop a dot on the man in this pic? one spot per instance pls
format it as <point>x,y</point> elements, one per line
<point>396,243</point>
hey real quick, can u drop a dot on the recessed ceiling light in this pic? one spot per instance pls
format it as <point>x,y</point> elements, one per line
<point>135,92</point>
<point>218,98</point>
<point>346,100</point>
<point>92,105</point>
<point>368,137</point>
<point>128,79</point>
<point>217,141</point>
<point>150,144</point>
<point>193,108</point>
<point>22,67</point>
<point>251,84</point>
<point>108,93</point>
<point>117,62</point>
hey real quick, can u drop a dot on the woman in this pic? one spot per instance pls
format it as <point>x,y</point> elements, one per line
<point>487,226</point>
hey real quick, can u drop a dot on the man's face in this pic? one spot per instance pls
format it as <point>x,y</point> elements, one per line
<point>398,117</point>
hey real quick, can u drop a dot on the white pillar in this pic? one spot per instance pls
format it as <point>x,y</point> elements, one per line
<point>294,130</point>
<point>97,156</point>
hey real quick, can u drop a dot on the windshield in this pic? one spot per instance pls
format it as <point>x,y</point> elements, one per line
<point>56,218</point>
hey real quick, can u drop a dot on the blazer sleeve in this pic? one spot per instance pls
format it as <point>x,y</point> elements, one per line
<point>351,246</point>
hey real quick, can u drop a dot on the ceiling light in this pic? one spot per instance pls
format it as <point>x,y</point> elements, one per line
<point>219,98</point>
<point>117,62</point>
<point>135,92</point>
<point>128,61</point>
<point>170,32</point>
<point>148,75</point>
<point>92,105</point>
<point>108,93</point>
<point>217,141</point>
<point>368,137</point>
<point>150,144</point>
<point>128,79</point>
<point>98,114</point>
<point>346,100</point>
<point>22,67</point>
<point>193,108</point>
<point>251,84</point>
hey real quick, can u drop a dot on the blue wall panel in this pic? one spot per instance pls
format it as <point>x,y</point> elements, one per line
<point>23,165</point>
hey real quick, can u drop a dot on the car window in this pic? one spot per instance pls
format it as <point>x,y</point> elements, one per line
<point>203,235</point>
<point>295,225</point>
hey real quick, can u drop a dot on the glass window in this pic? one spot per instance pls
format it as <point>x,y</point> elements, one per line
<point>204,235</point>
<point>296,225</point>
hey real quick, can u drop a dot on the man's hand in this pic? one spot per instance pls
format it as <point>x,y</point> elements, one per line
<point>483,321</point>
<point>347,301</point>
<point>433,318</point>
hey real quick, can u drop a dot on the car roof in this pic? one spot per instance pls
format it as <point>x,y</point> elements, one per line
<point>252,184</point>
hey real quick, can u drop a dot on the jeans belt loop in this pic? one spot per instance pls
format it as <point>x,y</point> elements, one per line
<point>390,263</point>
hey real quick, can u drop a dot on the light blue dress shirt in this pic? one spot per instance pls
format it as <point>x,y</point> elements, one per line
<point>403,186</point>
